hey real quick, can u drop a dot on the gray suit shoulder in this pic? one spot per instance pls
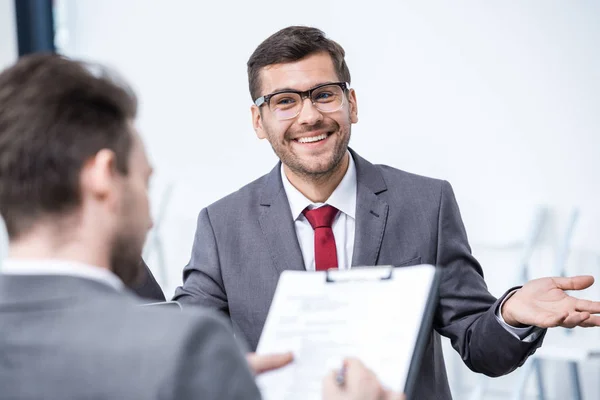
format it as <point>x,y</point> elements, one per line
<point>402,183</point>
<point>185,319</point>
<point>197,351</point>
<point>247,196</point>
<point>168,328</point>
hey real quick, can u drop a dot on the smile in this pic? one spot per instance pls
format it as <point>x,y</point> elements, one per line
<point>313,139</point>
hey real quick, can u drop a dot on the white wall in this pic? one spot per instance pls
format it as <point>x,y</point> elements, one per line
<point>500,99</point>
<point>8,54</point>
<point>8,33</point>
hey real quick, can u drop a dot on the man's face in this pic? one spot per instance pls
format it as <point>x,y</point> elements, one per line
<point>133,215</point>
<point>315,158</point>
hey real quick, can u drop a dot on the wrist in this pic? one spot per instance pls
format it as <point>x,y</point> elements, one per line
<point>507,314</point>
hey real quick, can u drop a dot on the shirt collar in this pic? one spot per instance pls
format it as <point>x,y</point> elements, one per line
<point>13,266</point>
<point>343,197</point>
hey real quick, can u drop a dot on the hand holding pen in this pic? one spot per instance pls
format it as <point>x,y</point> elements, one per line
<point>354,381</point>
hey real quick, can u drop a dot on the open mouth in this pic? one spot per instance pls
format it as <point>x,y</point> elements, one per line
<point>313,139</point>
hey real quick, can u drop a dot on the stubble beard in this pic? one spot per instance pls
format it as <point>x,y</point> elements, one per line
<point>304,172</point>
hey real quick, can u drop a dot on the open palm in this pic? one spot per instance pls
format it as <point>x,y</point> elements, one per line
<point>543,303</point>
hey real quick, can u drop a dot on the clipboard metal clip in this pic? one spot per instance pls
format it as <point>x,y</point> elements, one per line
<point>379,273</point>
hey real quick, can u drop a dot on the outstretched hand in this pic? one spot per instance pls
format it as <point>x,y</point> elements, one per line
<point>543,303</point>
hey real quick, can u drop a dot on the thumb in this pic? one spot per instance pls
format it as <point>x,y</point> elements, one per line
<point>260,363</point>
<point>574,283</point>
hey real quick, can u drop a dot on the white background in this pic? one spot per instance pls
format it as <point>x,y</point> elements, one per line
<point>8,33</point>
<point>8,54</point>
<point>500,99</point>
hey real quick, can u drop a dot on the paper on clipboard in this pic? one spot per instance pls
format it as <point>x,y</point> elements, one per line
<point>375,314</point>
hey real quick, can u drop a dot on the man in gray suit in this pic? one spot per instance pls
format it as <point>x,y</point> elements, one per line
<point>73,192</point>
<point>323,206</point>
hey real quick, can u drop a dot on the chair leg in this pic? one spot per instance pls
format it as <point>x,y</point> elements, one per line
<point>539,379</point>
<point>575,381</point>
<point>526,370</point>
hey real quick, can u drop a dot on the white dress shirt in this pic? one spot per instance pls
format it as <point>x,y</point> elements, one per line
<point>344,199</point>
<point>17,266</point>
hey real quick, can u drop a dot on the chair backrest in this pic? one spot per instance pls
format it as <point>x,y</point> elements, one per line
<point>154,242</point>
<point>532,238</point>
<point>564,246</point>
<point>563,249</point>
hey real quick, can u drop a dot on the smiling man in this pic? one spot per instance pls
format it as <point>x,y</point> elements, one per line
<point>323,206</point>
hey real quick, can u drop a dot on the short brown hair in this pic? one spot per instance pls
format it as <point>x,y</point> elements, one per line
<point>55,114</point>
<point>292,44</point>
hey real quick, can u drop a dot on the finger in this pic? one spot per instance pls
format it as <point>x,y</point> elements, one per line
<point>353,362</point>
<point>359,376</point>
<point>263,363</point>
<point>547,319</point>
<point>355,367</point>
<point>575,319</point>
<point>330,384</point>
<point>574,283</point>
<point>592,322</point>
<point>587,305</point>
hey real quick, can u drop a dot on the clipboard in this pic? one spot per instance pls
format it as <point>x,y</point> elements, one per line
<point>349,295</point>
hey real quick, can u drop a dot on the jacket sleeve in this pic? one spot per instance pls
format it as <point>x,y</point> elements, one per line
<point>466,311</point>
<point>148,289</point>
<point>202,279</point>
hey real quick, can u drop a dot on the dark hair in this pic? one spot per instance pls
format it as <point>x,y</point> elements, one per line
<point>292,44</point>
<point>55,114</point>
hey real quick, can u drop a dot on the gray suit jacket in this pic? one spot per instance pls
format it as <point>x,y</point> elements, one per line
<point>64,337</point>
<point>245,240</point>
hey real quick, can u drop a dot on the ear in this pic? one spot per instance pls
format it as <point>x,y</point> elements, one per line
<point>353,106</point>
<point>257,122</point>
<point>98,175</point>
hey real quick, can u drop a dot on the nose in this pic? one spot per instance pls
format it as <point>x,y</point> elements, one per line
<point>309,115</point>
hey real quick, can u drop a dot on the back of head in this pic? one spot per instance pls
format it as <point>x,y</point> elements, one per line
<point>292,44</point>
<point>55,114</point>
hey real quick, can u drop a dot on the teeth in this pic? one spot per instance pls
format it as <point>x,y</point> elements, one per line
<point>312,139</point>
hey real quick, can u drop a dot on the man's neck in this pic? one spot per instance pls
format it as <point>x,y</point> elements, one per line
<point>42,244</point>
<point>318,189</point>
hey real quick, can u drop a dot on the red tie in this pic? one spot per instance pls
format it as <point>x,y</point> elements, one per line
<point>321,219</point>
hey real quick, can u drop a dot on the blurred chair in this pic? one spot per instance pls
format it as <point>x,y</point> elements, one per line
<point>561,344</point>
<point>154,243</point>
<point>530,242</point>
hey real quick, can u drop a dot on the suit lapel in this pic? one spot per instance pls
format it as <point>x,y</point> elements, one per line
<point>277,225</point>
<point>371,213</point>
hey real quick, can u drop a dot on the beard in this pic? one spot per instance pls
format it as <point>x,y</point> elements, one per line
<point>326,166</point>
<point>127,245</point>
<point>126,260</point>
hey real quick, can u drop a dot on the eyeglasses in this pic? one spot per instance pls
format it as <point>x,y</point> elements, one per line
<point>287,104</point>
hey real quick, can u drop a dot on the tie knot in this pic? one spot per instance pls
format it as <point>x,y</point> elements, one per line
<point>321,217</point>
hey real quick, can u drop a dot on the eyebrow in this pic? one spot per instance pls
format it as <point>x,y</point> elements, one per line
<point>287,89</point>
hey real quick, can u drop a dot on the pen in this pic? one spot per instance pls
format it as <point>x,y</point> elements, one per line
<point>340,378</point>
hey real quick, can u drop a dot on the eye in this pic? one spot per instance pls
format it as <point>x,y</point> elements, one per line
<point>324,96</point>
<point>286,101</point>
